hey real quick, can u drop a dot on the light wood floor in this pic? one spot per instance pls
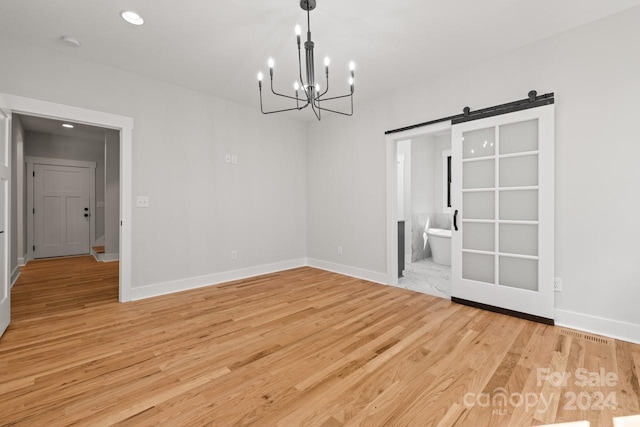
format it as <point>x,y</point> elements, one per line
<point>303,347</point>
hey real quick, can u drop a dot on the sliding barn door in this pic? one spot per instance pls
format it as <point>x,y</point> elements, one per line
<point>503,199</point>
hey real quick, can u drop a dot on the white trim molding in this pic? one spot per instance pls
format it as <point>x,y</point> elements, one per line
<point>22,261</point>
<point>598,325</point>
<point>347,270</point>
<point>108,257</point>
<point>14,276</point>
<point>170,287</point>
<point>123,124</point>
<point>392,190</point>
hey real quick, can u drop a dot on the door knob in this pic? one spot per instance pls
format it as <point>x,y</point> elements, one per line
<point>87,215</point>
<point>86,209</point>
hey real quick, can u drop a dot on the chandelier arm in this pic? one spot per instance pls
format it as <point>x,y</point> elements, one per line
<point>337,97</point>
<point>286,109</point>
<point>280,111</point>
<point>325,91</point>
<point>339,112</point>
<point>313,108</point>
<point>285,96</point>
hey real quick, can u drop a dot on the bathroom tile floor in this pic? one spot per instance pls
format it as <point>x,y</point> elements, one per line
<point>427,277</point>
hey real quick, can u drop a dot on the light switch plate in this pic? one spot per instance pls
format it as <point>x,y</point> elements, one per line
<point>142,202</point>
<point>234,159</point>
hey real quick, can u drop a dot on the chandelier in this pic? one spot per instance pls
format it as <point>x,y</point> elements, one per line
<point>311,95</point>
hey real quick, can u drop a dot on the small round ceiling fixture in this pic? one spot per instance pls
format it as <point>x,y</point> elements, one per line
<point>70,41</point>
<point>132,17</point>
<point>67,125</point>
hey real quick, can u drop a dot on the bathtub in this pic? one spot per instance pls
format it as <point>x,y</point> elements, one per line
<point>440,242</point>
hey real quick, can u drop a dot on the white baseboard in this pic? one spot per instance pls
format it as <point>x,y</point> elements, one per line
<point>359,273</point>
<point>599,325</point>
<point>22,261</point>
<point>14,276</point>
<point>212,279</point>
<point>108,257</point>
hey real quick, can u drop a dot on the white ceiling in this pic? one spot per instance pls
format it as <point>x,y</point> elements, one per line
<point>218,46</point>
<point>54,127</point>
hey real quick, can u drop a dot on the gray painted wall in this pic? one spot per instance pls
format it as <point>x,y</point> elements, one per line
<point>595,78</point>
<point>201,208</point>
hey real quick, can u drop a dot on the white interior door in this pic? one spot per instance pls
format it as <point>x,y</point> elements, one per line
<point>5,242</point>
<point>61,211</point>
<point>503,192</point>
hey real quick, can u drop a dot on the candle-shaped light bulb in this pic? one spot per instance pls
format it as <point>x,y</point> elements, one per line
<point>270,62</point>
<point>318,87</point>
<point>260,76</point>
<point>296,86</point>
<point>352,66</point>
<point>298,30</point>
<point>350,81</point>
<point>327,61</point>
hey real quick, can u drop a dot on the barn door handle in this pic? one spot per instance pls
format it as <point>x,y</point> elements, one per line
<point>455,220</point>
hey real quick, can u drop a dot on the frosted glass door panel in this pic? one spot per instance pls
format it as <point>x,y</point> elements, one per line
<point>519,239</point>
<point>519,273</point>
<point>519,205</point>
<point>480,205</point>
<point>479,143</point>
<point>480,174</point>
<point>479,237</point>
<point>519,137</point>
<point>519,171</point>
<point>478,267</point>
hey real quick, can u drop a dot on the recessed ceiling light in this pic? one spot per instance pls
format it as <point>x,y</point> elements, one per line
<point>67,125</point>
<point>132,17</point>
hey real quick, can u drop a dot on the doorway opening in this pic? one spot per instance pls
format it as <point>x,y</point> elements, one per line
<point>67,189</point>
<point>424,206</point>
<point>78,217</point>
<point>419,209</point>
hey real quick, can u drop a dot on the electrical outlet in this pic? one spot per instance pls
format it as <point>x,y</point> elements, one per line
<point>234,159</point>
<point>557,284</point>
<point>234,254</point>
<point>339,250</point>
<point>142,201</point>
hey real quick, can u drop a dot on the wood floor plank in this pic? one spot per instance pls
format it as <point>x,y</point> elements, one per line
<point>301,347</point>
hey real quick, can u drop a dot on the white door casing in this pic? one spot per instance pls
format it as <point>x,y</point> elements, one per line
<point>5,209</point>
<point>62,211</point>
<point>503,190</point>
<point>124,125</point>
